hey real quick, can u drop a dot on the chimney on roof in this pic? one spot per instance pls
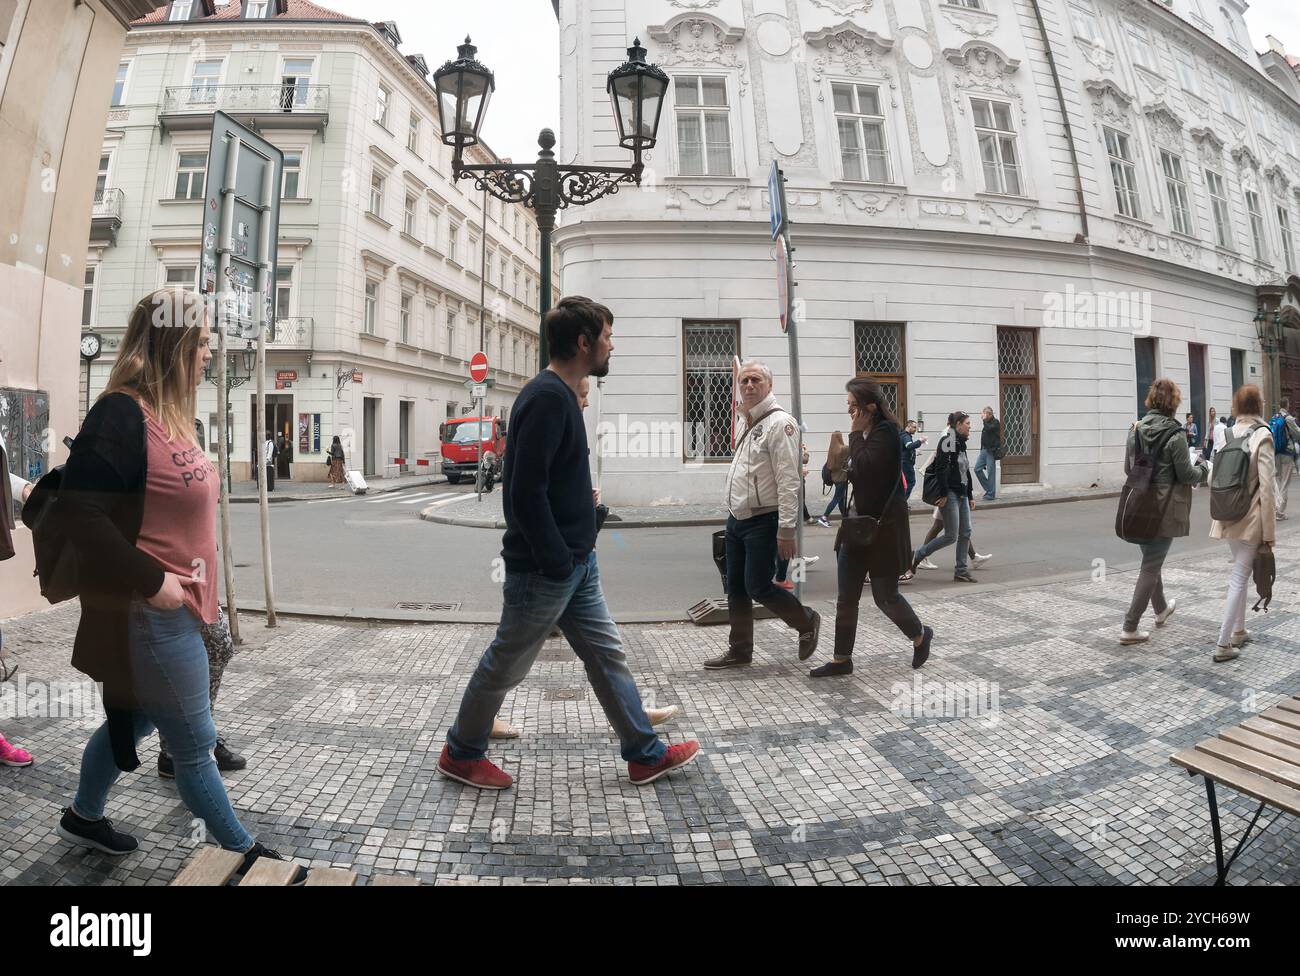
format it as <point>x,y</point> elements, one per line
<point>389,29</point>
<point>1276,46</point>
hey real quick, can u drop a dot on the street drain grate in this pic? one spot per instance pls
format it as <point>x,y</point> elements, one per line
<point>429,607</point>
<point>564,694</point>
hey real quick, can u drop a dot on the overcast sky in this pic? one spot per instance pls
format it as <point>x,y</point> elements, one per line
<point>518,40</point>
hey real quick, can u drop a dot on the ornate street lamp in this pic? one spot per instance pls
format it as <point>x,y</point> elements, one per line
<point>636,90</point>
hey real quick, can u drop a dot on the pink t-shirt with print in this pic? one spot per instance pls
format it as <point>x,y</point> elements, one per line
<point>180,516</point>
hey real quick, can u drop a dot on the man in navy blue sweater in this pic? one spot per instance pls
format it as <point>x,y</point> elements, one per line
<point>550,557</point>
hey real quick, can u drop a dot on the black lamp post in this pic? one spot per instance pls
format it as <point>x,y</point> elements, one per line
<point>636,92</point>
<point>233,379</point>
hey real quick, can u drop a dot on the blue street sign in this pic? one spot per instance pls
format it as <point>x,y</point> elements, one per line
<point>775,198</point>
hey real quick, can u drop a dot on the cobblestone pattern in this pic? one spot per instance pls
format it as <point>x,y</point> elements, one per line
<point>1063,778</point>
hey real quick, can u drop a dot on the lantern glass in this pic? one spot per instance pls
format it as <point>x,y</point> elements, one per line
<point>250,358</point>
<point>636,93</point>
<point>464,87</point>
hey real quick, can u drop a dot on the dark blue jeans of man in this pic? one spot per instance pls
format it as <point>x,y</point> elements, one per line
<point>909,473</point>
<point>533,605</point>
<point>751,561</point>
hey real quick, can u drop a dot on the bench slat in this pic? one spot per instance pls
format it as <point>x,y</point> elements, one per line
<point>1290,705</point>
<point>1289,719</point>
<point>331,878</point>
<point>268,873</point>
<point>1252,761</point>
<point>1274,731</point>
<point>1262,743</point>
<point>211,866</point>
<point>394,881</point>
<point>1239,779</point>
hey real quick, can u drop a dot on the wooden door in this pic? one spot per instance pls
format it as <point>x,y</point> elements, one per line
<point>1018,403</point>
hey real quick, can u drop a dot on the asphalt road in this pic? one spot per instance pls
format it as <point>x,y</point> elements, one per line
<point>376,553</point>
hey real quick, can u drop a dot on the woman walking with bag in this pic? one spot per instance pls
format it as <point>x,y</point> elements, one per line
<point>334,461</point>
<point>1242,492</point>
<point>142,498</point>
<point>1161,513</point>
<point>837,465</point>
<point>874,541</point>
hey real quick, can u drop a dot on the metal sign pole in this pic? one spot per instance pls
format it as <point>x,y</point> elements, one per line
<point>265,243</point>
<point>777,186</point>
<point>223,389</point>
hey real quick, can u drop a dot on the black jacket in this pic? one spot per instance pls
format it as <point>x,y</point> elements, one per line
<point>874,472</point>
<point>991,436</point>
<point>946,466</point>
<point>909,445</point>
<point>103,488</point>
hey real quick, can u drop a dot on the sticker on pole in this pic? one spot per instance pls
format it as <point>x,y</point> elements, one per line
<point>478,367</point>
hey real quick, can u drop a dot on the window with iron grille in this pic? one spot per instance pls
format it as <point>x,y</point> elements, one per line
<point>709,348</point>
<point>864,152</point>
<point>997,141</point>
<point>1180,211</point>
<point>1219,204</point>
<point>878,353</point>
<point>1123,173</point>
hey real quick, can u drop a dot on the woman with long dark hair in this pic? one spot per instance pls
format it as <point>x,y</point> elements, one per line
<point>876,476</point>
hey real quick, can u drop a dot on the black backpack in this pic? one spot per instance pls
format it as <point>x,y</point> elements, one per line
<point>1140,507</point>
<point>827,480</point>
<point>56,558</point>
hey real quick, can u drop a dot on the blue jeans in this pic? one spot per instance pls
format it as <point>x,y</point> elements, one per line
<point>956,528</point>
<point>533,605</point>
<point>840,499</point>
<point>170,668</point>
<point>909,473</point>
<point>751,560</point>
<point>986,470</point>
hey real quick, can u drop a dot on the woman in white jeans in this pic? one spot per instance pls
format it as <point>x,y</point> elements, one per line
<point>1256,528</point>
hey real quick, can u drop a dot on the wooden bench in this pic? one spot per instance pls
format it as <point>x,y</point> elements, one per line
<point>213,866</point>
<point>1260,758</point>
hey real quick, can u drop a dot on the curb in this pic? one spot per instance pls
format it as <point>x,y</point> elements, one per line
<point>435,516</point>
<point>272,498</point>
<point>382,615</point>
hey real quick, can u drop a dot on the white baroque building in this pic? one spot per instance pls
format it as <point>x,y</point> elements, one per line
<point>379,255</point>
<point>1037,205</point>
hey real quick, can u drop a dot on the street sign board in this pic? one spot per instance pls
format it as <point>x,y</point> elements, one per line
<point>782,282</point>
<point>286,374</point>
<point>245,231</point>
<point>478,367</point>
<point>776,199</point>
<point>479,391</point>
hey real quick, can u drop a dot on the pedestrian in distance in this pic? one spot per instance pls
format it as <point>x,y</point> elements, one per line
<point>141,501</point>
<point>836,470</point>
<point>334,464</point>
<point>986,464</point>
<point>1218,434</point>
<point>12,489</point>
<point>948,485</point>
<point>269,454</point>
<point>1286,437</point>
<point>977,559</point>
<point>1192,431</point>
<point>910,443</point>
<point>552,577</point>
<point>881,549</point>
<point>1155,506</point>
<point>762,499</point>
<point>1243,509</point>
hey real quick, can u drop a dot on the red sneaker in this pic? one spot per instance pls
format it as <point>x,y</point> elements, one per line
<point>481,773</point>
<point>679,755</point>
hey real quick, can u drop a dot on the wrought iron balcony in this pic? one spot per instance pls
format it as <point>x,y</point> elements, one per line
<point>270,106</point>
<point>291,332</point>
<point>106,215</point>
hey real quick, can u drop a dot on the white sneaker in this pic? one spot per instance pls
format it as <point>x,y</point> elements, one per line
<point>809,560</point>
<point>824,522</point>
<point>977,559</point>
<point>1134,636</point>
<point>1170,607</point>
<point>658,716</point>
<point>926,564</point>
<point>1241,637</point>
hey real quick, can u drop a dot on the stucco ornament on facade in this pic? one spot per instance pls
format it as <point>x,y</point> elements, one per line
<point>1247,162</point>
<point>844,6</point>
<point>1277,179</point>
<point>1166,125</point>
<point>701,41</point>
<point>1134,234</point>
<point>982,67</point>
<point>1110,103</point>
<point>694,4</point>
<point>939,207</point>
<point>1208,145</point>
<point>1096,54</point>
<point>971,22</point>
<point>853,50</point>
<point>870,203</point>
<point>1008,213</point>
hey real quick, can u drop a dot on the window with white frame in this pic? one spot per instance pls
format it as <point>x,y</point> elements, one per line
<point>501,282</point>
<point>1229,100</point>
<point>88,297</point>
<point>1284,231</point>
<point>181,10</point>
<point>1230,25</point>
<point>1139,45</point>
<point>405,320</point>
<point>860,122</point>
<point>996,134</point>
<point>191,168</point>
<point>1256,225</point>
<point>1187,72</point>
<point>431,231</point>
<point>292,175</point>
<point>101,178</point>
<point>382,97</point>
<point>294,82</point>
<point>1219,205</point>
<point>376,193</point>
<point>408,215</point>
<point>703,125</point>
<point>119,83</point>
<point>1180,212</point>
<point>283,291</point>
<point>1086,22</point>
<point>204,81</point>
<point>413,134</point>
<point>179,276</point>
<point>472,252</point>
<point>255,9</point>
<point>371,307</point>
<point>453,237</point>
<point>453,347</point>
<point>1261,117</point>
<point>972,4</point>
<point>515,281</point>
<point>1123,172</point>
<point>489,265</point>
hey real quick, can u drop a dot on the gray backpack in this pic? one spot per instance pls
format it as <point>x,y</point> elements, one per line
<point>1230,495</point>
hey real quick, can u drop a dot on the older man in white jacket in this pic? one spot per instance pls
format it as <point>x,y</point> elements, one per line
<point>763,511</point>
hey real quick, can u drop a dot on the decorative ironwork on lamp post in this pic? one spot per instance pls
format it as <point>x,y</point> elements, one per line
<point>233,379</point>
<point>636,90</point>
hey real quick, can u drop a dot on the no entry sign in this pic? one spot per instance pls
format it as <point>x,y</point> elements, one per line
<point>478,367</point>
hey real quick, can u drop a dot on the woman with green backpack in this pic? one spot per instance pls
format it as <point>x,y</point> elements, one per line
<point>1243,507</point>
<point>1155,507</point>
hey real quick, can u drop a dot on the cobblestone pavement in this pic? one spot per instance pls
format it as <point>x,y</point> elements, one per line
<point>1060,776</point>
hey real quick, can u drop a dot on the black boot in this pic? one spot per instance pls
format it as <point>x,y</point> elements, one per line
<point>227,761</point>
<point>732,659</point>
<point>832,669</point>
<point>166,768</point>
<point>921,653</point>
<point>258,850</point>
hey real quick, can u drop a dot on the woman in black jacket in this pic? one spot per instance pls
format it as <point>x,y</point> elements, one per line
<point>876,475</point>
<point>951,469</point>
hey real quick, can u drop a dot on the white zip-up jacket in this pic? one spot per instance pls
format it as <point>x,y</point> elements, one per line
<point>765,470</point>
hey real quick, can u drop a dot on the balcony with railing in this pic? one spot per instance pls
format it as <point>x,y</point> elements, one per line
<point>268,106</point>
<point>106,215</point>
<point>291,333</point>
